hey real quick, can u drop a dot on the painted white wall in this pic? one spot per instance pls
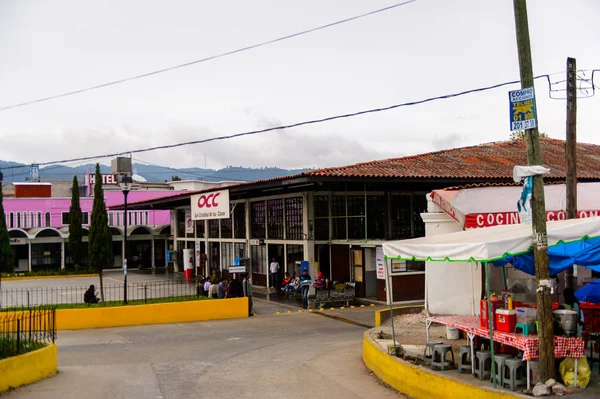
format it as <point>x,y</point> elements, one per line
<point>450,288</point>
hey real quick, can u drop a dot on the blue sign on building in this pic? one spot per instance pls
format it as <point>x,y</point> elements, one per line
<point>522,109</point>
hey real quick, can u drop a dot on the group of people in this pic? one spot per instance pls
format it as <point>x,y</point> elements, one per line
<point>230,288</point>
<point>303,283</point>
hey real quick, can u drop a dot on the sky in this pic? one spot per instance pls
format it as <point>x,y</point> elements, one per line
<point>422,49</point>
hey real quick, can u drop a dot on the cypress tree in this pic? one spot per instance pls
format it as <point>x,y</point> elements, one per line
<point>100,238</point>
<point>7,262</point>
<point>75,231</point>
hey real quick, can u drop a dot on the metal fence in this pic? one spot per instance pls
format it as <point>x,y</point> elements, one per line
<point>26,330</point>
<point>139,292</point>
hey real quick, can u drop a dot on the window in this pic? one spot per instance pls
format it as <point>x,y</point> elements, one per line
<point>226,231</point>
<point>39,219</point>
<point>213,228</point>
<point>135,218</point>
<point>146,217</point>
<point>65,218</point>
<point>239,250</point>
<point>48,223</point>
<point>375,216</point>
<point>258,254</point>
<point>321,229</point>
<point>11,220</point>
<point>338,211</point>
<point>275,218</point>
<point>239,220</point>
<point>199,228</point>
<point>117,218</point>
<point>226,255</point>
<point>180,219</point>
<point>19,219</point>
<point>321,205</point>
<point>419,207</point>
<point>321,223</point>
<point>257,219</point>
<point>294,219</point>
<point>130,218</point>
<point>85,218</point>
<point>32,219</point>
<point>401,266</point>
<point>295,253</point>
<point>401,217</point>
<point>111,218</point>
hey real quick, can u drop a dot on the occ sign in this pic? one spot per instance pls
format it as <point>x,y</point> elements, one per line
<point>210,205</point>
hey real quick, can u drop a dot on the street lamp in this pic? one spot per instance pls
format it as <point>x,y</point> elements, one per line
<point>125,187</point>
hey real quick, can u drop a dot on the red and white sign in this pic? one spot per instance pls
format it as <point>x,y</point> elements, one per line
<point>110,180</point>
<point>214,205</point>
<point>474,221</point>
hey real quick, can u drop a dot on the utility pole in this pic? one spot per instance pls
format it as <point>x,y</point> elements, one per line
<point>571,152</point>
<point>538,206</point>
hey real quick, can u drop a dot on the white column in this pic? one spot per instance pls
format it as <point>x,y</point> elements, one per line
<point>153,254</point>
<point>62,255</point>
<point>29,254</point>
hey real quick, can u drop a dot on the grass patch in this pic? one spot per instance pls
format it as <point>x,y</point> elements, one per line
<point>111,304</point>
<point>8,347</point>
<point>43,273</point>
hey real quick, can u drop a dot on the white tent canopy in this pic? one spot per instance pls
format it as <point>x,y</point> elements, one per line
<point>488,244</point>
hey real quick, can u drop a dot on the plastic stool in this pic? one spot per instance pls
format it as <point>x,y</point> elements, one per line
<point>534,370</point>
<point>525,328</point>
<point>483,365</point>
<point>428,352</point>
<point>464,359</point>
<point>439,357</point>
<point>499,359</point>
<point>514,373</point>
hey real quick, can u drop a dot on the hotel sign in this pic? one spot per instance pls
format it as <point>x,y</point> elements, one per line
<point>213,205</point>
<point>107,180</point>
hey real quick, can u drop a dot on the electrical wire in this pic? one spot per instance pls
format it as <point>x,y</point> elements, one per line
<point>213,57</point>
<point>289,126</point>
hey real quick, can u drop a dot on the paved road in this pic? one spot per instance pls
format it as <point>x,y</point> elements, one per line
<point>296,355</point>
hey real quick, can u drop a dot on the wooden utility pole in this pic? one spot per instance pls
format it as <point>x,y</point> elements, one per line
<point>571,152</point>
<point>538,206</point>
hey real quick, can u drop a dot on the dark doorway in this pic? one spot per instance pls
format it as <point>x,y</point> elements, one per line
<point>322,258</point>
<point>340,263</point>
<point>276,251</point>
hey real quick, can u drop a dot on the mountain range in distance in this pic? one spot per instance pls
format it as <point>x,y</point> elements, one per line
<point>20,172</point>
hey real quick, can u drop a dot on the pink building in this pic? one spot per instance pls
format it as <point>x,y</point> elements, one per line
<point>39,229</point>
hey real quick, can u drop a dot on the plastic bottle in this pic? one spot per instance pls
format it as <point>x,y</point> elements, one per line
<point>510,303</point>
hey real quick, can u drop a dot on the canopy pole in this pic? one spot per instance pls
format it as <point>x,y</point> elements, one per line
<point>490,322</point>
<point>390,296</point>
<point>504,277</point>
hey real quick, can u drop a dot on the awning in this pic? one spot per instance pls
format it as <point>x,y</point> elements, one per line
<point>491,206</point>
<point>489,244</point>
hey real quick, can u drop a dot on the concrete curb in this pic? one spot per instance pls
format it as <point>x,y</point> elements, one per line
<point>383,315</point>
<point>24,369</point>
<point>418,382</point>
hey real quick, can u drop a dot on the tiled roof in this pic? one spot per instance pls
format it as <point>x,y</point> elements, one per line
<point>489,161</point>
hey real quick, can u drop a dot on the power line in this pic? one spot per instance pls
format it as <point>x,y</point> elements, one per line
<point>213,57</point>
<point>297,124</point>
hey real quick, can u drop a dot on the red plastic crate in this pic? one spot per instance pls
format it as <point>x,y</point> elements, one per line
<point>483,312</point>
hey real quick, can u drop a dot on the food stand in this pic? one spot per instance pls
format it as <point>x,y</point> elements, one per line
<point>574,241</point>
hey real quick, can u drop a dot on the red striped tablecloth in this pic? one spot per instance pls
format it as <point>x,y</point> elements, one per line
<point>563,346</point>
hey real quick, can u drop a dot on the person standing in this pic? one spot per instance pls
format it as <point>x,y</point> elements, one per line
<point>206,287</point>
<point>247,287</point>
<point>274,269</point>
<point>222,288</point>
<point>305,286</point>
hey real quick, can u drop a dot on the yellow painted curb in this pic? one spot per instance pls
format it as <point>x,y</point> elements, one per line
<point>342,308</point>
<point>300,310</point>
<point>310,310</point>
<point>47,277</point>
<point>277,312</point>
<point>372,305</point>
<point>352,307</point>
<point>289,311</point>
<point>362,306</point>
<point>418,382</point>
<point>331,308</point>
<point>30,367</point>
<point>321,308</point>
<point>158,313</point>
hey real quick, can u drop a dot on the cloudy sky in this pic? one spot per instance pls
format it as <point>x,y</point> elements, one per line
<point>423,49</point>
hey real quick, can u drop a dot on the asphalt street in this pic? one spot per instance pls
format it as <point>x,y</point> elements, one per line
<point>295,355</point>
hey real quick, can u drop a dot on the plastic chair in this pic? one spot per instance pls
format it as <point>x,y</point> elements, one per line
<point>428,352</point>
<point>499,359</point>
<point>464,359</point>
<point>439,358</point>
<point>525,328</point>
<point>514,373</point>
<point>483,365</point>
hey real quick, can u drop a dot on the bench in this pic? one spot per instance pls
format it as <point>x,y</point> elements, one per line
<point>339,292</point>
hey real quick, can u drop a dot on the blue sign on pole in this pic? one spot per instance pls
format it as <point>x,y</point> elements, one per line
<point>522,109</point>
<point>168,256</point>
<point>304,266</point>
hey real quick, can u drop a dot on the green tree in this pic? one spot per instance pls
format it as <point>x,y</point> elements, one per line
<point>100,238</point>
<point>7,262</point>
<point>175,178</point>
<point>76,247</point>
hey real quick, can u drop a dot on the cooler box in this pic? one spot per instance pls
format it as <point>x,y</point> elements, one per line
<point>483,312</point>
<point>506,320</point>
<point>526,315</point>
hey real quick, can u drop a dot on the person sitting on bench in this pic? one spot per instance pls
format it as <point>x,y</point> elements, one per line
<point>90,295</point>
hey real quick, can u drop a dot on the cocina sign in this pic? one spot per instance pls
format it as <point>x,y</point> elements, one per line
<point>214,205</point>
<point>493,219</point>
